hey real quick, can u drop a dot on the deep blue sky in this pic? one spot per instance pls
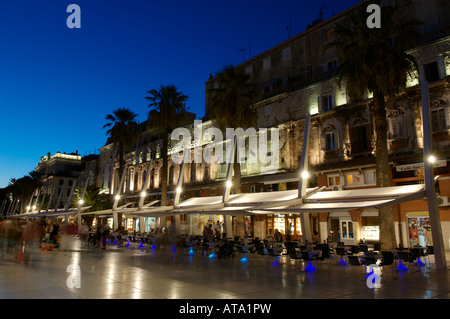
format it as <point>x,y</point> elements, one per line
<point>58,84</point>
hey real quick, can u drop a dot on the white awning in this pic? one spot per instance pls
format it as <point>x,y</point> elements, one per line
<point>280,178</point>
<point>315,200</point>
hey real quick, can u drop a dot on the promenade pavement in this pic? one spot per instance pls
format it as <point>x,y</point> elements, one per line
<point>164,273</point>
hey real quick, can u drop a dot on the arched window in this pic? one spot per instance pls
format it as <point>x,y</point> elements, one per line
<point>171,173</point>
<point>193,172</point>
<point>152,178</point>
<point>136,181</point>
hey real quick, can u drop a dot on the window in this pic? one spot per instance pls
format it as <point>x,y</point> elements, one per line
<point>370,177</point>
<point>440,119</point>
<point>268,109</point>
<point>331,67</point>
<point>330,140</point>
<point>334,180</point>
<point>286,54</point>
<point>327,103</point>
<point>353,179</point>
<point>193,172</point>
<point>431,71</point>
<point>360,139</point>
<point>249,70</point>
<point>329,34</point>
<point>171,173</point>
<point>266,63</point>
<point>396,127</point>
<point>61,182</point>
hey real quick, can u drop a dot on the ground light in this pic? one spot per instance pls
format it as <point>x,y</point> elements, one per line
<point>117,197</point>
<point>342,262</point>
<point>228,184</point>
<point>244,259</point>
<point>213,255</point>
<point>419,263</point>
<point>310,267</point>
<point>400,266</point>
<point>191,252</point>
<point>276,262</point>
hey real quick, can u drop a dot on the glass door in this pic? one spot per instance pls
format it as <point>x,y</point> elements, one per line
<point>346,231</point>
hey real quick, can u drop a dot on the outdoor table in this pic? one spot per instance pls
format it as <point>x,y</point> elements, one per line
<point>311,255</point>
<point>416,250</point>
<point>212,246</point>
<point>245,249</point>
<point>191,243</point>
<point>400,262</point>
<point>277,247</point>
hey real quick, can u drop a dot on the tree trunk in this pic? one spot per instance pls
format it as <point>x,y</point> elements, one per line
<point>164,169</point>
<point>121,168</point>
<point>385,214</point>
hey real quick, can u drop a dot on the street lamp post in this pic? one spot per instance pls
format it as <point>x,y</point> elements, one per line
<point>433,209</point>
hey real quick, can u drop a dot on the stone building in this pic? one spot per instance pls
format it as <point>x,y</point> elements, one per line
<point>297,77</point>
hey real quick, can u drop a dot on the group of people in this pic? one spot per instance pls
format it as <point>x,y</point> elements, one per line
<point>274,237</point>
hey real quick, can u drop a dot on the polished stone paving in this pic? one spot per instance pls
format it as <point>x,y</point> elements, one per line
<point>145,273</point>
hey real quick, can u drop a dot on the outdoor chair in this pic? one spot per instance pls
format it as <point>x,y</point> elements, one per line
<point>405,256</point>
<point>354,261</point>
<point>388,260</point>
<point>377,247</point>
<point>340,251</point>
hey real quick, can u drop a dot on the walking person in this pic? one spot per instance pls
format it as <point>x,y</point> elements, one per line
<point>84,233</point>
<point>105,234</point>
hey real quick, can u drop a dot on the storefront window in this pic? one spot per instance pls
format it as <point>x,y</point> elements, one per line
<point>419,229</point>
<point>370,229</point>
<point>279,223</point>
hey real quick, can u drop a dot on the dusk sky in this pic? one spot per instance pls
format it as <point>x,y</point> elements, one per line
<point>58,84</point>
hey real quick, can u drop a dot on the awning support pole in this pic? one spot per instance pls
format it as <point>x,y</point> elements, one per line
<point>80,203</point>
<point>227,186</point>
<point>66,207</point>
<point>119,189</point>
<point>58,199</point>
<point>180,180</point>
<point>302,181</point>
<point>144,187</point>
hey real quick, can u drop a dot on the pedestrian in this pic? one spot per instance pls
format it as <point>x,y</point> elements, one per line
<point>84,233</point>
<point>278,236</point>
<point>98,232</point>
<point>105,234</point>
<point>42,229</point>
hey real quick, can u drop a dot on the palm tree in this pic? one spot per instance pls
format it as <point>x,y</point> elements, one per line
<point>93,198</point>
<point>21,189</point>
<point>168,111</point>
<point>374,60</point>
<point>231,106</point>
<point>123,130</point>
